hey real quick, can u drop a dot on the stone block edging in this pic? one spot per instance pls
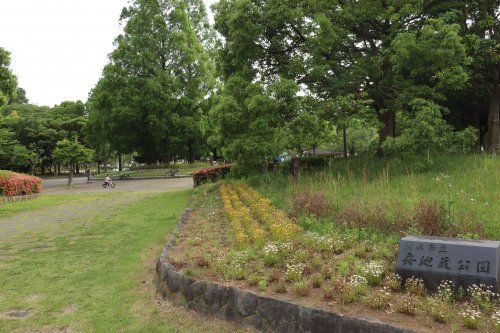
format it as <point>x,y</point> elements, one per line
<point>247,308</point>
<point>4,199</point>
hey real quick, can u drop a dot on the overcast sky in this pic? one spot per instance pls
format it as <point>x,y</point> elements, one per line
<point>59,47</point>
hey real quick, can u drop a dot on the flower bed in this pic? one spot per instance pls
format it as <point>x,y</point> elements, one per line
<point>267,314</point>
<point>211,174</point>
<point>248,243</point>
<point>16,184</point>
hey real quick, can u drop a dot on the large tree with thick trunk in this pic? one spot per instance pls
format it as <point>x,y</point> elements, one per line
<point>340,48</point>
<point>480,27</point>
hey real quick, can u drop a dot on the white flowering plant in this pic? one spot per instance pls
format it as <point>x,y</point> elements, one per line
<point>470,317</point>
<point>271,254</point>
<point>495,317</point>
<point>445,291</point>
<point>317,241</point>
<point>294,272</point>
<point>482,296</point>
<point>373,273</point>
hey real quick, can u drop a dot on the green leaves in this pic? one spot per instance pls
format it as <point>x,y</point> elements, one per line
<point>357,62</point>
<point>434,55</point>
<point>8,82</point>
<point>72,152</point>
<point>150,97</point>
<point>423,129</point>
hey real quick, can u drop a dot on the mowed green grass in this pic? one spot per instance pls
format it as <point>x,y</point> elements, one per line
<point>98,276</point>
<point>467,186</point>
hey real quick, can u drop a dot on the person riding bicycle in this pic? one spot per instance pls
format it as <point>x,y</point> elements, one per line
<point>107,180</point>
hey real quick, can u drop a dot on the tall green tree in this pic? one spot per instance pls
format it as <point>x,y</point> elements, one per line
<point>480,27</point>
<point>338,48</point>
<point>8,81</point>
<point>150,97</point>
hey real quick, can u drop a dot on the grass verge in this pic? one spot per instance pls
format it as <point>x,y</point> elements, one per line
<point>391,191</point>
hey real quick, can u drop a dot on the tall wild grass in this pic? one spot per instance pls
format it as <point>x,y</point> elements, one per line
<point>448,195</point>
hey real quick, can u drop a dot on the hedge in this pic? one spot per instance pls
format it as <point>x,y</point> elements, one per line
<point>14,184</point>
<point>211,174</point>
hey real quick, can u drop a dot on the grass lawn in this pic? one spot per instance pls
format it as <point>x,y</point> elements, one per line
<point>91,272</point>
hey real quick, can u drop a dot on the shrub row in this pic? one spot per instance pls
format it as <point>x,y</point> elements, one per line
<point>211,174</point>
<point>13,184</point>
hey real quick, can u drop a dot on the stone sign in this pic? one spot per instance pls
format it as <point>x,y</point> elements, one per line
<point>465,262</point>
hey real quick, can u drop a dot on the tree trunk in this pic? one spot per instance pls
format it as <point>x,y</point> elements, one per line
<point>58,169</point>
<point>344,135</point>
<point>32,169</point>
<point>120,162</point>
<point>214,153</point>
<point>275,165</point>
<point>476,123</point>
<point>70,177</point>
<point>388,119</point>
<point>167,148</point>
<point>105,166</point>
<point>295,166</point>
<point>494,121</point>
<point>77,169</point>
<point>98,167</point>
<point>191,153</point>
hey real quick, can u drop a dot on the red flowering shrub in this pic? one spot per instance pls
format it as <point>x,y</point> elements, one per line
<point>13,184</point>
<point>211,174</point>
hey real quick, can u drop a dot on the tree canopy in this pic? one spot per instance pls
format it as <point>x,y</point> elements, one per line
<point>150,99</point>
<point>400,60</point>
<point>8,81</point>
<point>72,152</point>
<point>273,77</point>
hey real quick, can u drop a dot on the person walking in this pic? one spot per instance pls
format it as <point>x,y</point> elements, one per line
<point>89,176</point>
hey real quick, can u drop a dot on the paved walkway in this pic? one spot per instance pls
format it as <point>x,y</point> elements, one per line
<point>58,185</point>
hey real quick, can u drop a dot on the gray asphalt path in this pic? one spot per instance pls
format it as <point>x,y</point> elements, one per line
<point>58,182</point>
<point>58,185</point>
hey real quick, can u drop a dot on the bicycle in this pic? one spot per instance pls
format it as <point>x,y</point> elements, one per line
<point>172,173</point>
<point>108,185</point>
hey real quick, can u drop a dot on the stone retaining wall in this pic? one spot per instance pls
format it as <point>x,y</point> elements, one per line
<point>247,308</point>
<point>18,198</point>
